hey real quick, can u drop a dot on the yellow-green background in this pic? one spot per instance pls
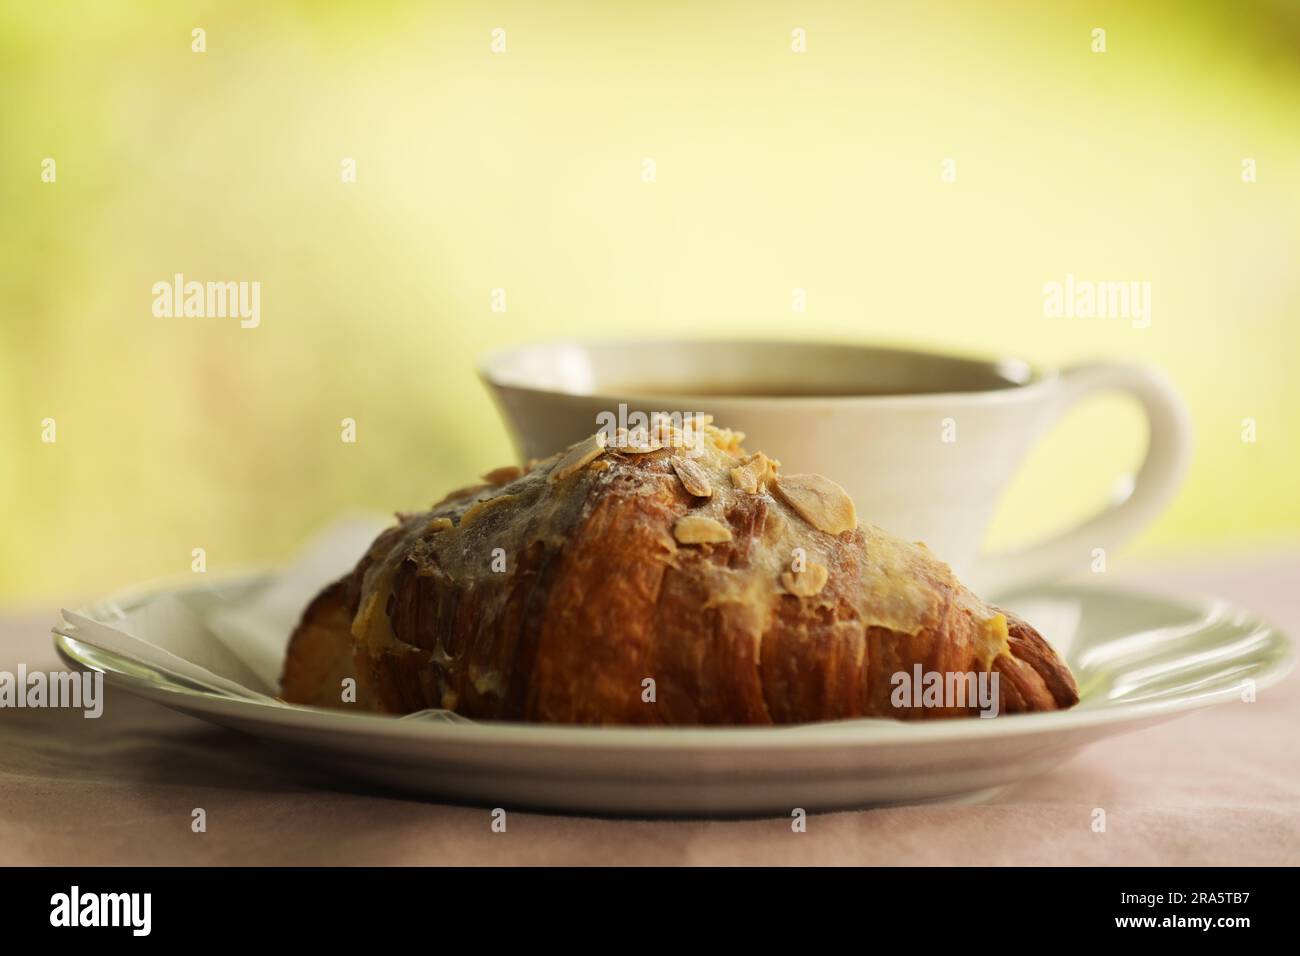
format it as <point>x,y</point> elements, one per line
<point>523,171</point>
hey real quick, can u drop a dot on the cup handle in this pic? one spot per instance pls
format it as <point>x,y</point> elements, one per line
<point>1169,446</point>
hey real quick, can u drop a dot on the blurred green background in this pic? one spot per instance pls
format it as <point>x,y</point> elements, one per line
<point>522,170</point>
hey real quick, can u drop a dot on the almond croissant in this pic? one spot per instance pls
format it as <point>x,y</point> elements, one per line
<point>665,577</point>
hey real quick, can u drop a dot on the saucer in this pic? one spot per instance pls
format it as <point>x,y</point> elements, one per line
<point>1139,659</point>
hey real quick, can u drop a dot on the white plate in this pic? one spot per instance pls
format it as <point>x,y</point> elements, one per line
<point>1139,659</point>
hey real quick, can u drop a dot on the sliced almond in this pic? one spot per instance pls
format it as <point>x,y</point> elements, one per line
<point>676,430</point>
<point>819,501</point>
<point>693,477</point>
<point>663,427</point>
<point>753,472</point>
<point>600,464</point>
<point>693,431</point>
<point>744,479</point>
<point>439,524</point>
<point>807,582</point>
<point>725,439</point>
<point>503,475</point>
<point>670,436</point>
<point>638,441</point>
<point>581,454</point>
<point>697,529</point>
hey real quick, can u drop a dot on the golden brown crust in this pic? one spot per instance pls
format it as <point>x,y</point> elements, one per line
<point>562,594</point>
<point>1033,677</point>
<point>321,654</point>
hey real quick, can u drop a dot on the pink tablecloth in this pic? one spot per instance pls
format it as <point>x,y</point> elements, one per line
<point>1221,786</point>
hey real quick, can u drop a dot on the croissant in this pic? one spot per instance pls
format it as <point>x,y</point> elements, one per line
<point>666,577</point>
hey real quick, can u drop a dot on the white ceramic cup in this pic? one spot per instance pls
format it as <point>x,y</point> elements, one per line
<point>926,454</point>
